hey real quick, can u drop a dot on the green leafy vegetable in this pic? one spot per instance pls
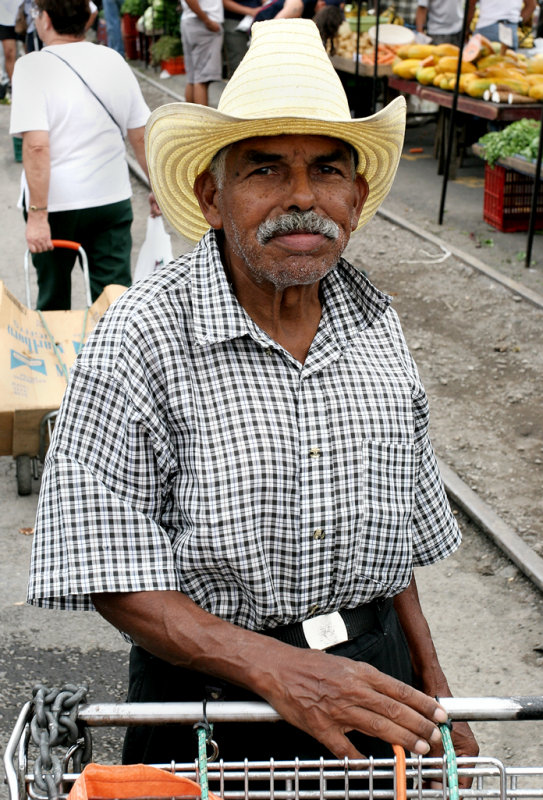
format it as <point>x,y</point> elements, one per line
<point>521,138</point>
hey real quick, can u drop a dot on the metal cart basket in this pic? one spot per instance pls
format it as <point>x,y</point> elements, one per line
<point>365,779</point>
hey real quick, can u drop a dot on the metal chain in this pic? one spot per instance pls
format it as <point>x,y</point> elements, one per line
<point>55,724</point>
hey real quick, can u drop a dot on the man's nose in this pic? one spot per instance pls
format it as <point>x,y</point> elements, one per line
<point>300,191</point>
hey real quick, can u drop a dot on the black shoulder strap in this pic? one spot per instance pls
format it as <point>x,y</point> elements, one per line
<point>106,109</point>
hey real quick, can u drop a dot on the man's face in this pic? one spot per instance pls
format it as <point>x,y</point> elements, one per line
<point>288,205</point>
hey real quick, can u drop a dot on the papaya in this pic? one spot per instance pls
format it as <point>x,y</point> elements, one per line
<point>445,81</point>
<point>535,66</point>
<point>496,59</point>
<point>450,64</point>
<point>477,47</point>
<point>420,51</point>
<point>502,72</point>
<point>425,75</point>
<point>446,49</point>
<point>429,61</point>
<point>406,68</point>
<point>402,50</point>
<point>518,87</point>
<point>465,79</point>
<point>477,88</point>
<point>536,91</point>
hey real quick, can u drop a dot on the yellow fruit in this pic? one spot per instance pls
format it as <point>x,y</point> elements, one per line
<point>498,71</point>
<point>450,64</point>
<point>446,50</point>
<point>465,79</point>
<point>403,50</point>
<point>425,75</point>
<point>535,65</point>
<point>518,87</point>
<point>478,87</point>
<point>406,67</point>
<point>531,80</point>
<point>536,91</point>
<point>420,51</point>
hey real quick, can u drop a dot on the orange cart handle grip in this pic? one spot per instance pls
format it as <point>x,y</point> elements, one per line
<point>66,243</point>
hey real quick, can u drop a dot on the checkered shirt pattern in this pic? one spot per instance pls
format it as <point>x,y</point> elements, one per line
<point>193,453</point>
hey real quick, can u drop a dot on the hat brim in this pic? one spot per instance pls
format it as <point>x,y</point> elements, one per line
<point>182,138</point>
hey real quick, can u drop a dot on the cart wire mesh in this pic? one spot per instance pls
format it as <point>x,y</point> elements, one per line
<point>322,779</point>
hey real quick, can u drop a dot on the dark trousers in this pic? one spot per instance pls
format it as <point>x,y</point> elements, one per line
<point>104,234</point>
<point>154,680</point>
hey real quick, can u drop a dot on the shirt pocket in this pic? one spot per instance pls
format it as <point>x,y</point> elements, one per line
<point>385,548</point>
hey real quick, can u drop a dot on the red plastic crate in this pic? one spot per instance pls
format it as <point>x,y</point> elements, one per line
<point>508,200</point>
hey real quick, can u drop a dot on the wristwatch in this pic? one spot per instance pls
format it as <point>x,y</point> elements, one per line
<point>37,208</point>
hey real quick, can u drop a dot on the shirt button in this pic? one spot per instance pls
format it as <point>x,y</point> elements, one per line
<point>319,533</point>
<point>315,452</point>
<point>268,351</point>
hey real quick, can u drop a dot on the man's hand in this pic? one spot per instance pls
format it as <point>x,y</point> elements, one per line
<point>38,232</point>
<point>211,25</point>
<point>327,696</point>
<point>153,205</point>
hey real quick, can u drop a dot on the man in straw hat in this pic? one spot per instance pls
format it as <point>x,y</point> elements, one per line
<point>241,478</point>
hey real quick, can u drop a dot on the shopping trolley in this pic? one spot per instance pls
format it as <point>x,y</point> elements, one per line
<point>323,779</point>
<point>27,464</point>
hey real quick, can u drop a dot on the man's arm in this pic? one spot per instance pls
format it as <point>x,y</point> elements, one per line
<point>136,137</point>
<point>429,675</point>
<point>323,694</point>
<point>237,8</point>
<point>37,167</point>
<point>291,9</point>
<point>420,18</point>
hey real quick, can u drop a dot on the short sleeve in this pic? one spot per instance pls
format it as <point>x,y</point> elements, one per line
<point>28,103</point>
<point>104,485</point>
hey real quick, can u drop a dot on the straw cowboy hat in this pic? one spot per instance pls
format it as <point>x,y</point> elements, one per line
<point>286,84</point>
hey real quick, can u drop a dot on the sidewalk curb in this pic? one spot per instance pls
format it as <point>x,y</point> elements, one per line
<point>523,291</point>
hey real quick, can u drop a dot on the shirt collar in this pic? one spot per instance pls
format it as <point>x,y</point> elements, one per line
<point>350,302</point>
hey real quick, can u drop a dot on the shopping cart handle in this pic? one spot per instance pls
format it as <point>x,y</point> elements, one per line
<point>66,244</point>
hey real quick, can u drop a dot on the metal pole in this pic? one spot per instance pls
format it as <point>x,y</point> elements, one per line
<point>535,193</point>
<point>458,708</point>
<point>452,117</point>
<point>375,66</point>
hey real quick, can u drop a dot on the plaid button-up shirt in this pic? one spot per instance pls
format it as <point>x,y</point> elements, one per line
<point>193,453</point>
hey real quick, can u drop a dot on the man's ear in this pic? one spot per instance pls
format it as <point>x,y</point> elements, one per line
<point>207,194</point>
<point>361,191</point>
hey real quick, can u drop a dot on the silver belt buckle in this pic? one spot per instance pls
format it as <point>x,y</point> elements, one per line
<point>325,631</point>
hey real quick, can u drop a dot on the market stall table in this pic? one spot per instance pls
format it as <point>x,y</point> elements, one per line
<point>495,112</point>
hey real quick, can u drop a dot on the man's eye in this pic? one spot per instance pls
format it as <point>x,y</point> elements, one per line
<point>262,171</point>
<point>328,169</point>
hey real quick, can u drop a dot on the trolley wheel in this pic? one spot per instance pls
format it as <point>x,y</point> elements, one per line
<point>24,475</point>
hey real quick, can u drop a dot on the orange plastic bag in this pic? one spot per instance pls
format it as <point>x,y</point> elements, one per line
<point>131,781</point>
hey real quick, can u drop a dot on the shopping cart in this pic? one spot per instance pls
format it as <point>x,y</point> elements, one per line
<point>27,464</point>
<point>323,779</point>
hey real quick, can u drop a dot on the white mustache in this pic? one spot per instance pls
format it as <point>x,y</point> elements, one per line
<point>296,222</point>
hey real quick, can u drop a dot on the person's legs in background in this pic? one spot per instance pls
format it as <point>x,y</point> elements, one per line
<point>112,14</point>
<point>235,45</point>
<point>104,233</point>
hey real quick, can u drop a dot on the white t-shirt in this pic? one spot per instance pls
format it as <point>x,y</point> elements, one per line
<point>88,165</point>
<point>491,11</point>
<point>213,8</point>
<point>8,11</point>
<point>444,16</point>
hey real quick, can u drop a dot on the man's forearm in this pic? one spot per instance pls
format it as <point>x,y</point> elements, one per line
<point>428,673</point>
<point>322,694</point>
